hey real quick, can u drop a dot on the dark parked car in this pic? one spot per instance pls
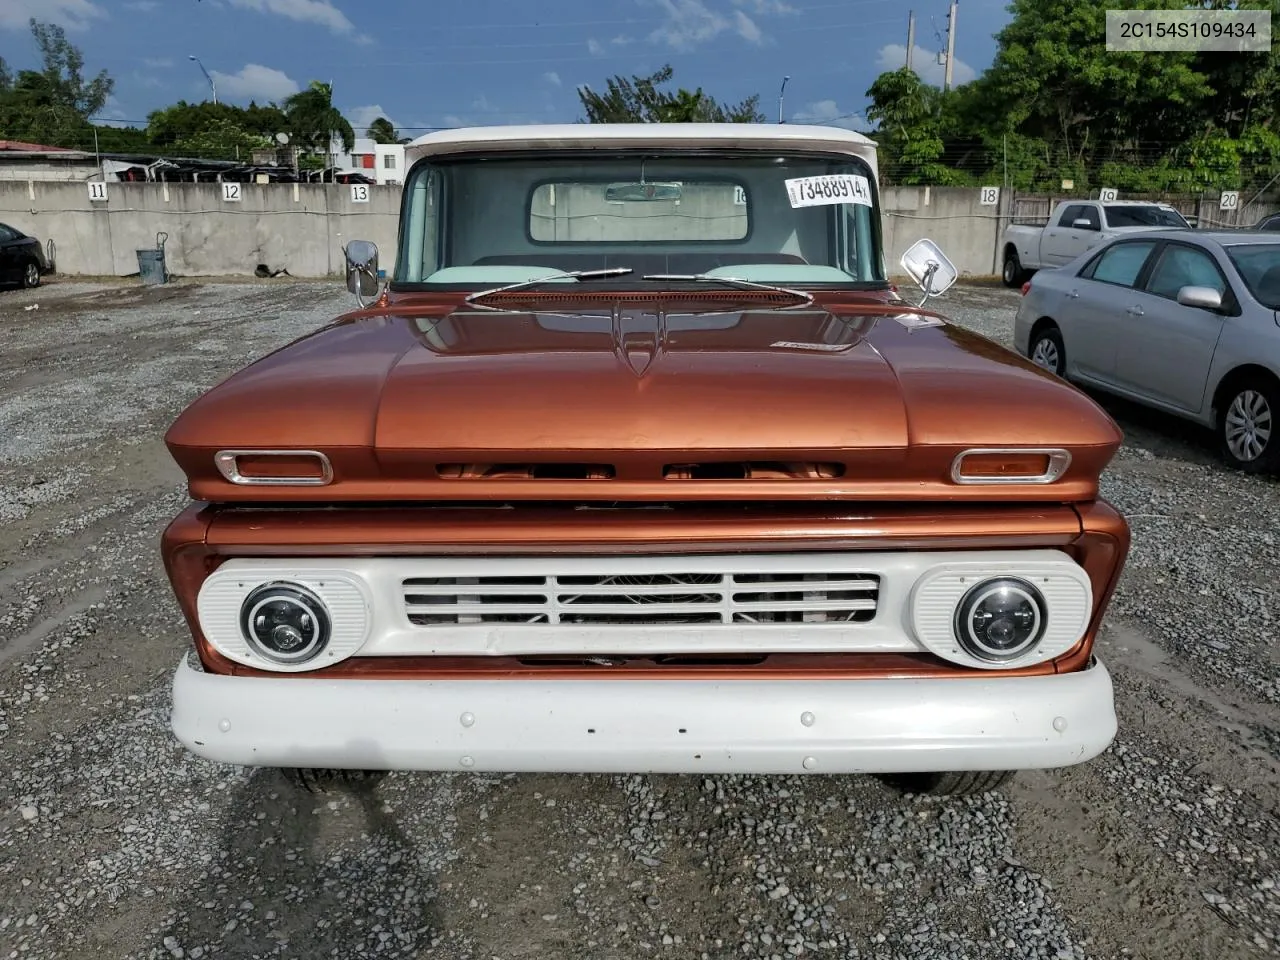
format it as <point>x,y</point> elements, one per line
<point>1270,224</point>
<point>21,258</point>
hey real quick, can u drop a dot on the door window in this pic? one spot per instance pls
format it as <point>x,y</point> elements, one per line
<point>1121,263</point>
<point>1070,214</point>
<point>7,234</point>
<point>1180,267</point>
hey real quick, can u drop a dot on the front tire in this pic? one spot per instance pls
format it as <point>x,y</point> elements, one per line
<point>954,783</point>
<point>318,780</point>
<point>1247,425</point>
<point>1048,351</point>
<point>31,275</point>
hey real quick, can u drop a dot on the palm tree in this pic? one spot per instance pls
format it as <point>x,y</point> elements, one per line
<point>315,122</point>
<point>382,130</point>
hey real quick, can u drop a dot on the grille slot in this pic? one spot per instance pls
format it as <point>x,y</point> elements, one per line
<point>752,470</point>
<point>643,599</point>
<point>525,471</point>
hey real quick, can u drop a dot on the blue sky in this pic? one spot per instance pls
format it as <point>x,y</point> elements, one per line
<point>461,62</point>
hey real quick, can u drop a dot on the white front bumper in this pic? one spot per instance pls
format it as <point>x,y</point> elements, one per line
<point>647,726</point>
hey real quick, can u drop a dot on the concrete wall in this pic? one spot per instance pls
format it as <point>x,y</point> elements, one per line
<point>298,227</point>
<point>303,227</point>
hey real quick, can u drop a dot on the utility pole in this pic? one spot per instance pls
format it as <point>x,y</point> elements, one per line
<point>780,93</point>
<point>951,44</point>
<point>911,35</point>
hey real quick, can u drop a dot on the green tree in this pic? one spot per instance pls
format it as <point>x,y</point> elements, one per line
<point>639,100</point>
<point>53,104</point>
<point>315,122</point>
<point>910,120</point>
<point>382,130</point>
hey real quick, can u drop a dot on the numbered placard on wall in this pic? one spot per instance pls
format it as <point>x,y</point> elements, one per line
<point>98,191</point>
<point>359,193</point>
<point>232,192</point>
<point>1108,194</point>
<point>989,196</point>
<point>1230,200</point>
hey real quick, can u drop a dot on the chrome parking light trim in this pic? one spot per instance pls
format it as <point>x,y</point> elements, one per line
<point>1059,460</point>
<point>226,462</point>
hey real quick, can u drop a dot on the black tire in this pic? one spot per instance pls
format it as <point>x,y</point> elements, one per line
<point>1046,342</point>
<point>1247,424</point>
<point>30,274</point>
<point>954,783</point>
<point>1012,273</point>
<point>317,780</point>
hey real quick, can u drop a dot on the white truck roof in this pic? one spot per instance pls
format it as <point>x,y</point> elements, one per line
<point>553,136</point>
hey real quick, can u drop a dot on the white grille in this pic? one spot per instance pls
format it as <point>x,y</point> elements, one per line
<point>643,598</point>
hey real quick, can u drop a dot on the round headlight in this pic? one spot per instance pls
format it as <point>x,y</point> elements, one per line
<point>285,622</point>
<point>1000,619</point>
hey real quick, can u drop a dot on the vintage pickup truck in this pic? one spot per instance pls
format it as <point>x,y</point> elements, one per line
<point>639,462</point>
<point>1075,226</point>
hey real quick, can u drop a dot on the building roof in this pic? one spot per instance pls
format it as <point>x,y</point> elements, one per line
<point>39,147</point>
<point>643,134</point>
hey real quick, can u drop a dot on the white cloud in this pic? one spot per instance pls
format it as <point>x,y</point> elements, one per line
<point>72,14</point>
<point>255,82</point>
<point>142,6</point>
<point>361,117</point>
<point>595,48</point>
<point>321,12</point>
<point>482,104</point>
<point>552,78</point>
<point>765,7</point>
<point>924,63</point>
<point>746,27</point>
<point>622,40</point>
<point>828,113</point>
<point>691,22</point>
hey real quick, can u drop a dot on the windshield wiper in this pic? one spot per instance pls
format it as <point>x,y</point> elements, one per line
<point>566,275</point>
<point>708,278</point>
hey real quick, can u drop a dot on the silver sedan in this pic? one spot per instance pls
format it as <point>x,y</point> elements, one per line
<point>1187,322</point>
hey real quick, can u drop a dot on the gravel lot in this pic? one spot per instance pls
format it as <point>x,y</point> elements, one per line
<point>114,842</point>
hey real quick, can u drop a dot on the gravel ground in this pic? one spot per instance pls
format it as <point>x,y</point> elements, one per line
<point>114,842</point>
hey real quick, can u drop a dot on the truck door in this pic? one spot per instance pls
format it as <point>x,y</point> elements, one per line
<point>1078,228</point>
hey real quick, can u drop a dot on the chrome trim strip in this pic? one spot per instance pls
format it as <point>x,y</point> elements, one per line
<point>225,460</point>
<point>1059,460</point>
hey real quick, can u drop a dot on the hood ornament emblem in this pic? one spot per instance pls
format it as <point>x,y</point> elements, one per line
<point>638,349</point>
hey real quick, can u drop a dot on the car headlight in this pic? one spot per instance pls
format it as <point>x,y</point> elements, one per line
<point>1000,619</point>
<point>285,622</point>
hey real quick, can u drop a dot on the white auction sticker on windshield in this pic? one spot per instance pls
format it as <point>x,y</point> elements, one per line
<point>833,188</point>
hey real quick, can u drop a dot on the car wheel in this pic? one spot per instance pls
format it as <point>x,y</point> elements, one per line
<point>1047,350</point>
<point>31,274</point>
<point>1247,425</point>
<point>953,783</point>
<point>1012,272</point>
<point>316,780</point>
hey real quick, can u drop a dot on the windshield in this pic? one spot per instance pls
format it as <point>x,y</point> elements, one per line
<point>1144,217</point>
<point>480,222</point>
<point>1259,266</point>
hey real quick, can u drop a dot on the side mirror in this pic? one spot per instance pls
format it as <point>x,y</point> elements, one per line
<point>1206,298</point>
<point>1083,224</point>
<point>362,268</point>
<point>928,266</point>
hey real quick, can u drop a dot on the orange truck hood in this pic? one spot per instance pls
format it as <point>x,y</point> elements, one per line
<point>620,400</point>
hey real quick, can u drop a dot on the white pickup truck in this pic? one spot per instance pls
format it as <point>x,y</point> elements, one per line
<point>1076,226</point>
